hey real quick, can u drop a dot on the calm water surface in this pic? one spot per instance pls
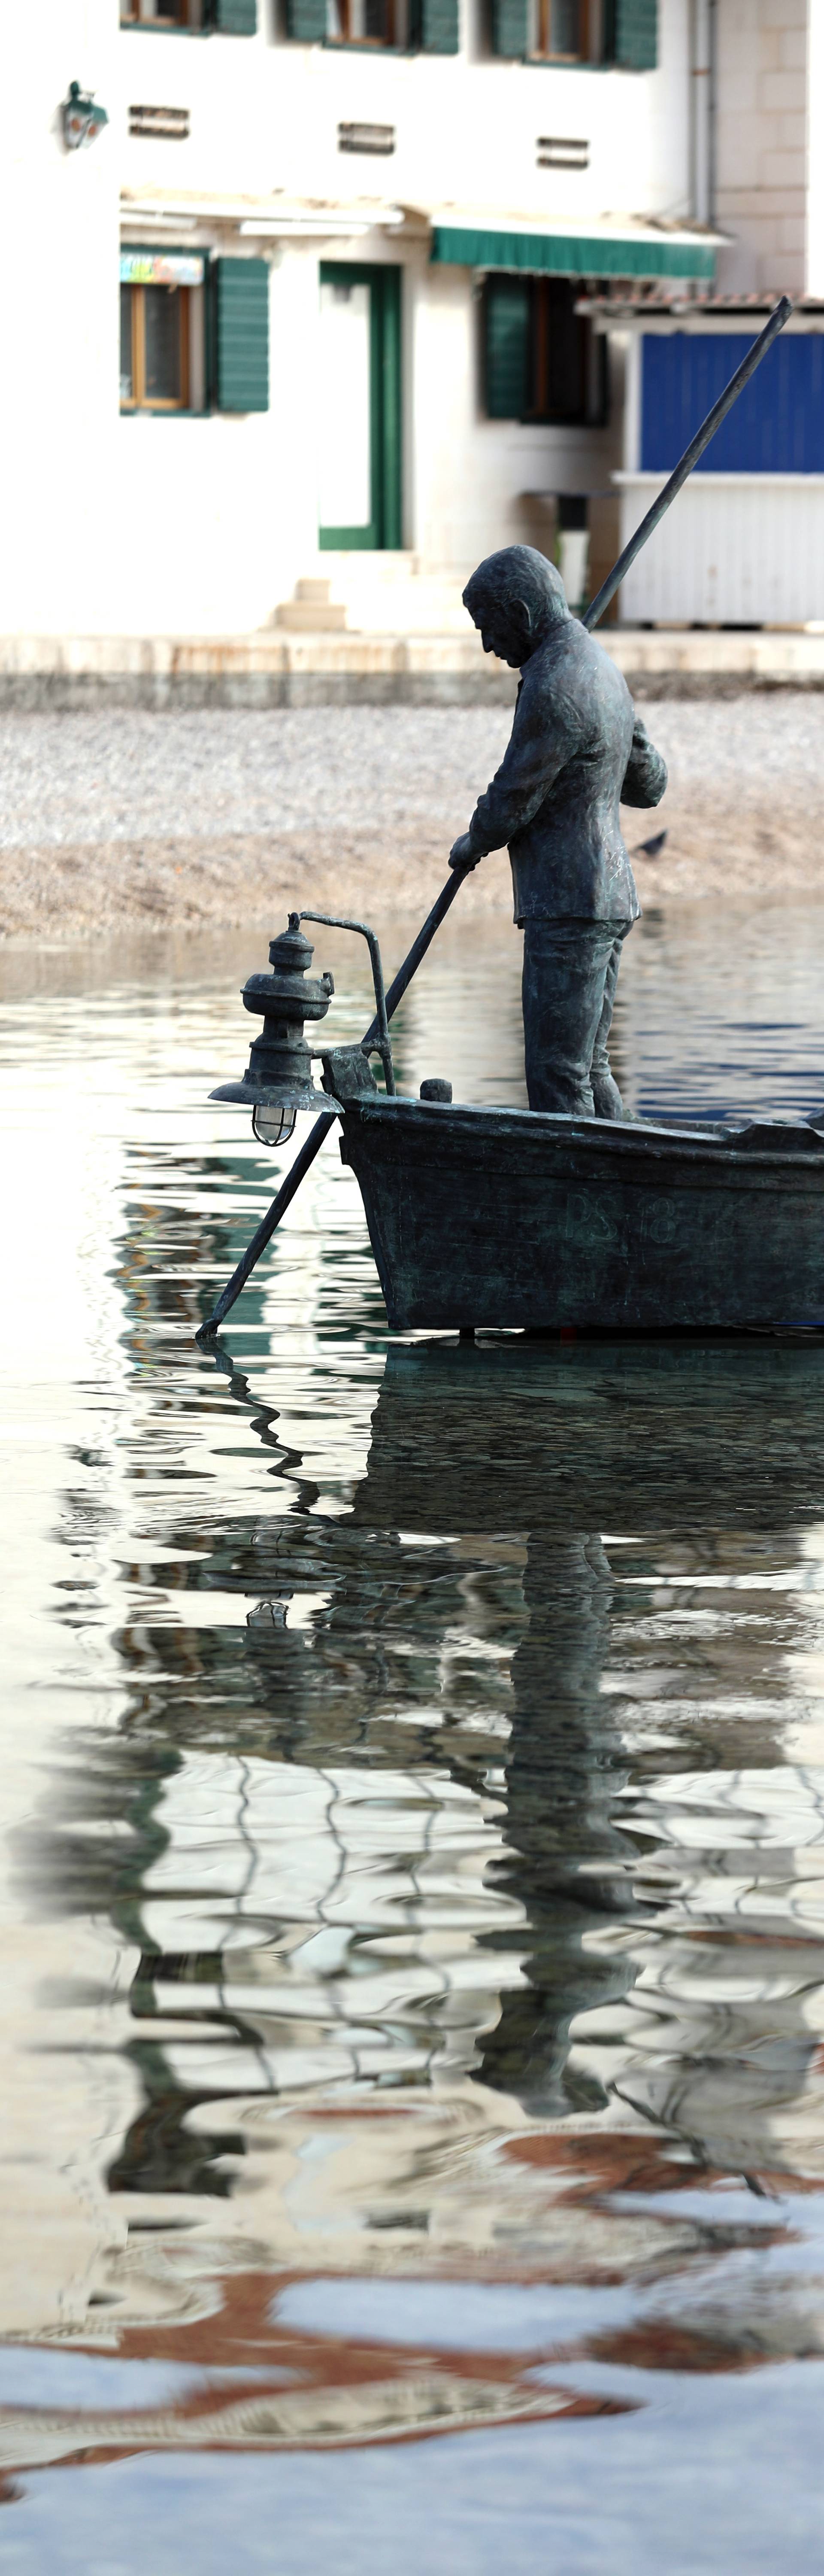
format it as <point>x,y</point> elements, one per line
<point>411,2009</point>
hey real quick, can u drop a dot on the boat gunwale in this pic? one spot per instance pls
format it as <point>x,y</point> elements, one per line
<point>641,1139</point>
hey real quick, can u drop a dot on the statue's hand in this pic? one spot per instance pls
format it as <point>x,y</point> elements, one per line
<point>461,856</point>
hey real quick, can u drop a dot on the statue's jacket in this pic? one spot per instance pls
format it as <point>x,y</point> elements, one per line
<point>576,752</point>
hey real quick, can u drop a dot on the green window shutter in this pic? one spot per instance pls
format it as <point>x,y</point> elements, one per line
<point>434,26</point>
<point>506,347</point>
<point>632,34</point>
<point>233,17</point>
<point>306,21</point>
<point>240,334</point>
<point>510,29</point>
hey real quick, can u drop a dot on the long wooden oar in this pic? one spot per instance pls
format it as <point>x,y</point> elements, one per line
<point>592,614</point>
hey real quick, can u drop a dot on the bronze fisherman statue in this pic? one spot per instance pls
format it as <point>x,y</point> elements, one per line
<point>576,752</point>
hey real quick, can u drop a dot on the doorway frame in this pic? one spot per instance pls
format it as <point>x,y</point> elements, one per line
<point>383,531</point>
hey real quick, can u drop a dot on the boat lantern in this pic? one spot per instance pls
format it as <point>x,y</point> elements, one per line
<point>278,1077</point>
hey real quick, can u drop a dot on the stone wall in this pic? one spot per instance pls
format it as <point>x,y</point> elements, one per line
<point>762,142</point>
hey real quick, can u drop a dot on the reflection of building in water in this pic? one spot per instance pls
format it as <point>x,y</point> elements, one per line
<point>165,1247</point>
<point>459,1861</point>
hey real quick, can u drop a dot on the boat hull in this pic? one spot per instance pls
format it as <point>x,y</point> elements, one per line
<point>509,1218</point>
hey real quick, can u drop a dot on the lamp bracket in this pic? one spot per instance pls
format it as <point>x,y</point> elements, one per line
<point>381,1044</point>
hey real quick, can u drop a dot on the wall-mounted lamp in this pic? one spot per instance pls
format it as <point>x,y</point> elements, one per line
<point>82,120</point>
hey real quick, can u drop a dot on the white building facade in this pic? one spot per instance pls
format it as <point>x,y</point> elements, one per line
<point>303,213</point>
<point>344,286</point>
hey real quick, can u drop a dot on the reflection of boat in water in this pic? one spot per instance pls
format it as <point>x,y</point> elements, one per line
<point>514,1218</point>
<point>639,1437</point>
<point>652,1444</point>
<point>476,1705</point>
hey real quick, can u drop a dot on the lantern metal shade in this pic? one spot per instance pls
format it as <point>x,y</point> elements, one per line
<point>286,1094</point>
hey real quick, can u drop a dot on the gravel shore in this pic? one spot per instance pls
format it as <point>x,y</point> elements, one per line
<point>161,820</point>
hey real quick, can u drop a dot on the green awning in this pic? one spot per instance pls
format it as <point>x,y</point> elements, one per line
<point>573,254</point>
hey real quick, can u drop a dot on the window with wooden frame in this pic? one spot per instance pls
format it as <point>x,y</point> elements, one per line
<point>367,22</point>
<point>154,348</point>
<point>566,31</point>
<point>623,32</point>
<point>542,360</point>
<point>163,13</point>
<point>155,339</point>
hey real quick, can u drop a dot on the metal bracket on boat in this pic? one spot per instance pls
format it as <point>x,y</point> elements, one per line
<point>347,1075</point>
<point>381,1043</point>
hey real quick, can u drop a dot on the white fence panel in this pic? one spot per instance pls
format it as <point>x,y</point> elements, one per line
<point>734,550</point>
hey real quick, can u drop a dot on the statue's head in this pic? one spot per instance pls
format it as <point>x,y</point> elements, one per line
<point>514,598</point>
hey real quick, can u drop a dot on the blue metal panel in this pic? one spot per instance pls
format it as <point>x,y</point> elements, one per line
<point>777,424</point>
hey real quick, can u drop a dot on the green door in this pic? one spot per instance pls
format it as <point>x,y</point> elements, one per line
<point>360,406</point>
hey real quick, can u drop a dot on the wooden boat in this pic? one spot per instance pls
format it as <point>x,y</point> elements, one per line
<point>510,1218</point>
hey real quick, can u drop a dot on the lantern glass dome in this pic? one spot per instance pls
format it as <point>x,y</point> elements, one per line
<point>273,1124</point>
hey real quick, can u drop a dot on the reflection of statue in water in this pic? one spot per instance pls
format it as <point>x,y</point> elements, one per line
<point>565,1860</point>
<point>577,751</point>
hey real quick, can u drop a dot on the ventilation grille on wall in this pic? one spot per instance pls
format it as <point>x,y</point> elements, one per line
<point>561,152</point>
<point>366,138</point>
<point>173,122</point>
